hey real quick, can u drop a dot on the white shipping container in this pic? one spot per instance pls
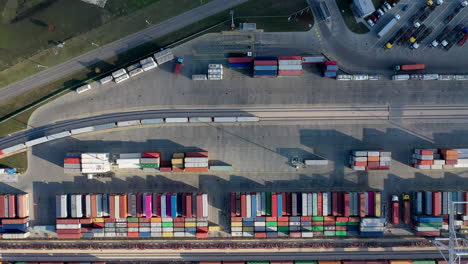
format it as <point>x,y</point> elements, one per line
<point>128,123</point>
<point>304,204</point>
<point>196,159</point>
<point>360,77</point>
<point>119,73</point>
<point>36,141</point>
<point>259,203</point>
<point>427,77</point>
<point>316,162</point>
<point>88,205</point>
<point>82,130</point>
<point>121,78</point>
<point>90,155</point>
<point>147,60</point>
<point>248,203</point>
<point>215,66</point>
<point>162,53</point>
<point>133,67</point>
<point>446,77</point>
<point>259,223</point>
<point>225,119</point>
<point>344,77</point>
<point>248,119</point>
<point>290,62</point>
<point>59,135</point>
<point>461,77</point>
<point>152,121</point>
<point>15,235</point>
<point>205,204</point>
<point>83,88</point>
<point>136,155</point>
<point>373,154</point>
<point>437,167</point>
<point>236,229</point>
<point>200,119</point>
<point>176,119</point>
<point>135,72</point>
<point>149,66</point>
<point>401,77</point>
<point>290,67</point>
<point>67,226</point>
<point>358,168</point>
<point>106,79</point>
<point>199,77</point>
<point>309,204</point>
<point>13,148</point>
<point>325,211</point>
<point>196,165</point>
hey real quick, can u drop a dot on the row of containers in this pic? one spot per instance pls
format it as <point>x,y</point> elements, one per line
<point>426,261</point>
<point>132,70</point>
<point>14,215</point>
<point>330,69</point>
<point>301,214</point>
<point>437,159</point>
<point>132,215</point>
<point>429,77</point>
<point>106,126</point>
<point>215,72</point>
<point>361,160</point>
<point>145,161</point>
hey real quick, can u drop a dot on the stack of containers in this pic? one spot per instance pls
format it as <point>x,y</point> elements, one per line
<point>361,160</point>
<point>372,226</point>
<point>215,71</point>
<point>120,75</point>
<point>132,215</point>
<point>313,59</point>
<point>265,67</point>
<point>240,62</point>
<point>436,159</point>
<point>129,161</point>
<point>72,163</point>
<point>330,69</point>
<point>289,66</point>
<point>282,214</point>
<point>196,162</point>
<point>148,64</point>
<point>14,216</point>
<point>134,69</point>
<point>95,162</point>
<point>149,161</point>
<point>177,162</point>
<point>431,211</point>
<point>163,56</point>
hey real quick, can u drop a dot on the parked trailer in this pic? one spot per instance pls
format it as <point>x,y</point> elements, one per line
<point>83,88</point>
<point>106,79</point>
<point>410,67</point>
<point>36,141</point>
<point>224,119</point>
<point>14,148</point>
<point>176,119</point>
<point>247,119</point>
<point>128,123</point>
<point>200,119</point>
<point>389,26</point>
<point>81,130</point>
<point>401,77</point>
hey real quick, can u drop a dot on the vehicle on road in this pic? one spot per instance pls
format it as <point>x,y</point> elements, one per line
<point>395,210</point>
<point>404,8</point>
<point>387,5</point>
<point>421,38</point>
<point>380,11</point>
<point>406,36</point>
<point>178,66</point>
<point>406,209</point>
<point>441,36</point>
<point>370,22</point>
<point>456,39</point>
<point>389,26</point>
<point>417,33</point>
<point>465,38</point>
<point>450,37</point>
<point>410,67</point>
<point>374,19</point>
<point>395,37</point>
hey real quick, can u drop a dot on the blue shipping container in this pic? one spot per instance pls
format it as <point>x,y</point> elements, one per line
<point>265,58</point>
<point>265,73</point>
<point>279,197</point>
<point>265,68</point>
<point>428,219</point>
<point>260,219</point>
<point>353,233</point>
<point>332,68</point>
<point>330,74</point>
<point>248,224</point>
<point>254,205</point>
<point>247,219</point>
<point>87,234</point>
<point>371,234</point>
<point>174,206</point>
<point>419,203</point>
<point>243,65</point>
<point>145,234</point>
<point>428,205</point>
<point>179,204</point>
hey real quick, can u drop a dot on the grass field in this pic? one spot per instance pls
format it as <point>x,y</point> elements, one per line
<point>358,28</point>
<point>18,161</point>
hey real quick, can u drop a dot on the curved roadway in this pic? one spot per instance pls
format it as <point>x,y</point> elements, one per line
<point>438,112</point>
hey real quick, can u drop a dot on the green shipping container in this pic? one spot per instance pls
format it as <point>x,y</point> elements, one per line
<point>424,261</point>
<point>165,224</point>
<point>341,233</point>
<point>317,218</point>
<point>149,165</point>
<point>283,228</point>
<point>271,223</point>
<point>353,223</point>
<point>306,228</point>
<point>132,220</point>
<point>430,224</point>
<point>329,233</point>
<point>314,204</point>
<point>268,203</point>
<point>305,262</point>
<point>317,228</point>
<point>340,223</point>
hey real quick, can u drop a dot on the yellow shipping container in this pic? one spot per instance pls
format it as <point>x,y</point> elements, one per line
<point>329,262</point>
<point>167,234</point>
<point>239,224</point>
<point>377,201</point>
<point>98,220</point>
<point>213,228</point>
<point>190,224</point>
<point>156,220</point>
<point>178,155</point>
<point>177,161</point>
<point>400,262</point>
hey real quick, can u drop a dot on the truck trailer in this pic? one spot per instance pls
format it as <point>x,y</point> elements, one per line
<point>410,67</point>
<point>389,26</point>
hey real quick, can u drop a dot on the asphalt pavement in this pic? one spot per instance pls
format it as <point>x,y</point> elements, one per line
<point>119,46</point>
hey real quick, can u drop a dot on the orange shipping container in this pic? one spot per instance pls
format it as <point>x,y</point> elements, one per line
<point>329,262</point>
<point>401,262</point>
<point>22,205</point>
<point>372,158</point>
<point>449,152</point>
<point>450,157</point>
<point>93,206</point>
<point>123,206</point>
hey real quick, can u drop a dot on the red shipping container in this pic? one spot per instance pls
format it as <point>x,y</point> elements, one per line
<point>342,219</point>
<point>179,224</point>
<point>354,219</point>
<point>144,220</point>
<point>72,160</point>
<point>334,203</point>
<point>93,205</point>
<point>426,152</point>
<point>176,169</point>
<point>377,262</point>
<point>451,162</point>
<point>68,231</point>
<point>306,218</point>
<point>395,213</point>
<point>340,228</point>
<point>11,205</point>
<point>151,155</point>
<point>201,235</point>
<point>354,262</point>
<point>1,152</point>
<point>340,203</point>
<point>188,204</point>
<point>243,205</point>
<point>283,223</point>
<point>98,224</point>
<point>360,163</point>
<point>289,72</point>
<point>329,223</point>
<point>236,219</point>
<point>295,234</point>
<point>158,204</point>
<point>329,218</point>
<point>373,164</point>
<point>86,221</point>
<point>283,204</point>
<point>317,223</point>
<point>86,229</point>
<point>428,233</point>
<point>69,236</point>
<point>14,221</point>
<point>290,58</point>
<point>274,205</point>
<point>196,169</point>
<point>202,229</point>
<point>271,219</point>
<point>383,168</point>
<point>112,205</point>
<point>200,154</point>
<point>239,59</point>
<point>265,62</point>
<point>133,225</point>
<point>362,205</point>
<point>288,204</point>
<point>283,219</point>
<point>347,210</point>
<point>465,195</point>
<point>259,235</point>
<point>2,206</point>
<point>139,205</point>
<point>178,220</point>
<point>331,63</point>
<point>319,204</point>
<point>233,204</point>
<point>425,162</point>
<point>199,205</point>
<point>184,205</point>
<point>132,234</point>
<point>123,206</point>
<point>165,169</point>
<point>109,220</point>
<point>67,221</point>
<point>436,202</point>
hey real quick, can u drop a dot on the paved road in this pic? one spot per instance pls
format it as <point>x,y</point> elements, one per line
<point>116,47</point>
<point>225,255</point>
<point>383,112</point>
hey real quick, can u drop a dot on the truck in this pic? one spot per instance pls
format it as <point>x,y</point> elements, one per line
<point>441,36</point>
<point>178,66</point>
<point>423,36</point>
<point>465,38</point>
<point>457,37</point>
<point>449,38</point>
<point>406,36</point>
<point>395,37</point>
<point>389,26</point>
<point>395,210</point>
<point>416,33</point>
<point>406,209</point>
<point>410,67</point>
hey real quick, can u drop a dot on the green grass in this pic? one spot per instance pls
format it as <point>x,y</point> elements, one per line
<point>18,161</point>
<point>358,28</point>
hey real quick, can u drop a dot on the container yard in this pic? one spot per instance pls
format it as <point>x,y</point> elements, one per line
<point>361,160</point>
<point>270,214</point>
<point>437,159</point>
<point>14,216</point>
<point>136,215</point>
